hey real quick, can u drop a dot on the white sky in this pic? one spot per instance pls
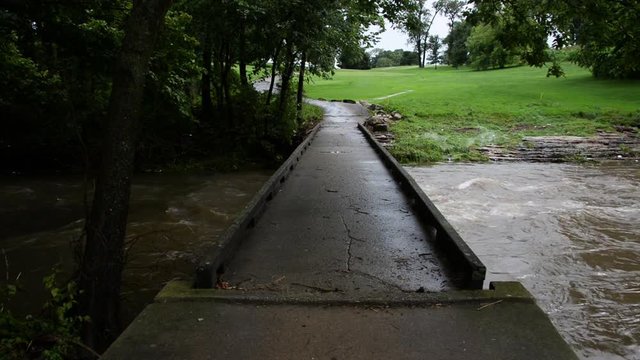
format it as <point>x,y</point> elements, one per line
<point>393,39</point>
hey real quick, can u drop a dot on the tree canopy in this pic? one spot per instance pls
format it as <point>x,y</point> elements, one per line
<point>604,33</point>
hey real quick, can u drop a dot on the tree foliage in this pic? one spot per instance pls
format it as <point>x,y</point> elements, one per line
<point>419,17</point>
<point>486,51</point>
<point>386,58</point>
<point>354,58</point>
<point>605,32</point>
<point>434,44</point>
<point>457,53</point>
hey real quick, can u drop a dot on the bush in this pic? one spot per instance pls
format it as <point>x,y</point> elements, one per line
<point>53,334</point>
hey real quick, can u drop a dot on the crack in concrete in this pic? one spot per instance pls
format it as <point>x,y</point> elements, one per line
<point>351,239</point>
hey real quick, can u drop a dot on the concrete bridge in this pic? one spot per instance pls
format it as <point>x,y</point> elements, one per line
<point>341,256</point>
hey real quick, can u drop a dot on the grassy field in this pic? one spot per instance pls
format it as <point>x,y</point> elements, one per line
<point>449,113</point>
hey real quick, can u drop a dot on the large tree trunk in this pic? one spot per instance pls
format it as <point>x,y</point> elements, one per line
<point>102,262</point>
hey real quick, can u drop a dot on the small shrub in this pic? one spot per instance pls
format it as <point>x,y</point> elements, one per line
<point>51,335</point>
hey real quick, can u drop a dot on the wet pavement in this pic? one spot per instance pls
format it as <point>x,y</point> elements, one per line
<point>340,267</point>
<point>341,222</point>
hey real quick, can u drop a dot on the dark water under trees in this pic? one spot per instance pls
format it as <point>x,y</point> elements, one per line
<point>172,218</point>
<point>569,233</point>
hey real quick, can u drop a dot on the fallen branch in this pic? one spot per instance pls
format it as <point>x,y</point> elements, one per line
<point>490,304</point>
<point>318,288</point>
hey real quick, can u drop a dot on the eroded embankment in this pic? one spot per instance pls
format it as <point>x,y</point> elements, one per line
<point>621,144</point>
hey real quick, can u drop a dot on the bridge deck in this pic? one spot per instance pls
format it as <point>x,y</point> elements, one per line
<point>340,267</point>
<point>340,222</point>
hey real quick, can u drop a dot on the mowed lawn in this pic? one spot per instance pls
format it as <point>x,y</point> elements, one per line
<point>449,113</point>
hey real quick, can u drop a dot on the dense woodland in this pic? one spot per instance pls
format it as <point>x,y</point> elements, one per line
<point>56,64</point>
<point>110,87</point>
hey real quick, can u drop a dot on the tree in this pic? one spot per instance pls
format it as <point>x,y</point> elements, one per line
<point>485,49</point>
<point>54,79</point>
<point>409,58</point>
<point>417,24</point>
<point>605,32</point>
<point>103,257</point>
<point>457,53</point>
<point>351,58</point>
<point>398,57</point>
<point>433,45</point>
<point>452,10</point>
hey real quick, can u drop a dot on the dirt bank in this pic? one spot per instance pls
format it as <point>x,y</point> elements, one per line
<point>622,144</point>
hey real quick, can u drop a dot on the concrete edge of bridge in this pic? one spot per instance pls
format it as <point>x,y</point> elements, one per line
<point>183,291</point>
<point>212,264</point>
<point>446,237</point>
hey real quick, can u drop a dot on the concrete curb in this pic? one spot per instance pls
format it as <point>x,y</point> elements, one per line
<point>181,291</point>
<point>446,236</point>
<point>213,264</point>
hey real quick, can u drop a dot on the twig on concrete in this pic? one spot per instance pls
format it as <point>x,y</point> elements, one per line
<point>317,288</point>
<point>490,304</point>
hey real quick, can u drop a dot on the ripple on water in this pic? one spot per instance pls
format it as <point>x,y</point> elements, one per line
<point>569,233</point>
<point>173,219</point>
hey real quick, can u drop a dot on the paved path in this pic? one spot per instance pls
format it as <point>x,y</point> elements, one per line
<point>339,267</point>
<point>341,222</point>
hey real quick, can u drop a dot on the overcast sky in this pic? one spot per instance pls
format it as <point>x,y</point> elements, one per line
<point>393,39</point>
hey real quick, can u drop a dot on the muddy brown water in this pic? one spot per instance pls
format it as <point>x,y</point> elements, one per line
<point>569,233</point>
<point>172,219</point>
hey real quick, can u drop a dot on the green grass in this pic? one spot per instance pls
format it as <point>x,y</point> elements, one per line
<point>311,114</point>
<point>449,113</point>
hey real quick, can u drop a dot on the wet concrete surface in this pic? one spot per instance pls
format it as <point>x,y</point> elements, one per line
<point>331,271</point>
<point>340,223</point>
<point>204,330</point>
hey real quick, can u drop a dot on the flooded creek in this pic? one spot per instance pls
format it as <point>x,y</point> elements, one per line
<point>172,218</point>
<point>569,233</point>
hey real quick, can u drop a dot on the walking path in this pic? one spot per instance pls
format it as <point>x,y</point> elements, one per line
<point>341,267</point>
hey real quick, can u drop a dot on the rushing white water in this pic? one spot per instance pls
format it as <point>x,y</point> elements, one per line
<point>569,233</point>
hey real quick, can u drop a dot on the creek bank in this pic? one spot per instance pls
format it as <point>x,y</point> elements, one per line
<point>623,144</point>
<point>380,122</point>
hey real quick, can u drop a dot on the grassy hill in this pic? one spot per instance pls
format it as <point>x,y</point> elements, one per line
<point>452,112</point>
